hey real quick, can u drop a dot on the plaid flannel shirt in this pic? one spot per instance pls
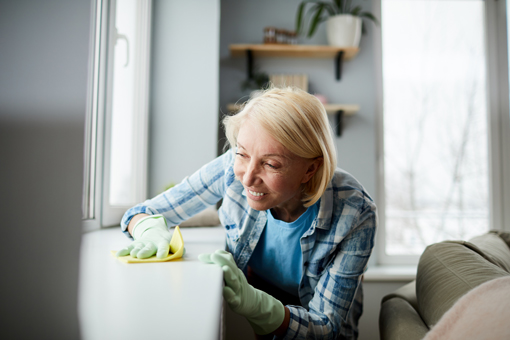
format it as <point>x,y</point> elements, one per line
<point>335,249</point>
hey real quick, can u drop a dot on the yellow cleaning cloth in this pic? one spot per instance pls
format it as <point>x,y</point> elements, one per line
<point>176,251</point>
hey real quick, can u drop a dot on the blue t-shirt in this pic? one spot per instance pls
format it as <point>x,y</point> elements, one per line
<point>277,258</point>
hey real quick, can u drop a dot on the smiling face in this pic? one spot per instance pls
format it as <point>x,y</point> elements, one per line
<point>271,174</point>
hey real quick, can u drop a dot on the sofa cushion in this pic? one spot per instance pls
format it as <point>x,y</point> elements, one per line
<point>448,270</point>
<point>495,248</point>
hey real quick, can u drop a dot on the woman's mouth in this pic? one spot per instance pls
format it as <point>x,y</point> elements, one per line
<point>256,194</point>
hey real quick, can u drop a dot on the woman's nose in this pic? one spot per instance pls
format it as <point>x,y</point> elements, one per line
<point>250,174</point>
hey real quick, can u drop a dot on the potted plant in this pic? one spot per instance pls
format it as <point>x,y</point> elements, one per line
<point>259,81</point>
<point>344,21</point>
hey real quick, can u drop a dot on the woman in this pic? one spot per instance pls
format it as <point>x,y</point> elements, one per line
<point>301,229</point>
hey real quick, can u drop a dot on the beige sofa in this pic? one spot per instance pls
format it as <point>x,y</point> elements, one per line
<point>447,271</point>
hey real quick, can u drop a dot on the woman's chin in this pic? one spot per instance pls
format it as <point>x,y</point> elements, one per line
<point>257,205</point>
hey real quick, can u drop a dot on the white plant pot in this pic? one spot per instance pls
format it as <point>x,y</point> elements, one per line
<point>344,30</point>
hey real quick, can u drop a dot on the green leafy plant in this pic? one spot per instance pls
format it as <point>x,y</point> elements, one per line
<point>320,11</point>
<point>260,80</point>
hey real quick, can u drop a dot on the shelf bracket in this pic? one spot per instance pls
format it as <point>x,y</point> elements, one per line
<point>339,122</point>
<point>249,63</point>
<point>338,64</point>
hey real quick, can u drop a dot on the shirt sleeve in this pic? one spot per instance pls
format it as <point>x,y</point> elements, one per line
<point>195,193</point>
<point>328,312</point>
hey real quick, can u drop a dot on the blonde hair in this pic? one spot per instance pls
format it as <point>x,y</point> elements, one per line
<point>300,123</point>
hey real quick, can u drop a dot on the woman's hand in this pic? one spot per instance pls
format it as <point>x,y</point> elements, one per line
<point>151,237</point>
<point>265,313</point>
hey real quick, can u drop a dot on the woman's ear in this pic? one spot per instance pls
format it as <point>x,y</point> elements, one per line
<point>314,165</point>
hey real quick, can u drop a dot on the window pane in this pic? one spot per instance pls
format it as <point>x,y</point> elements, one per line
<point>435,123</point>
<point>122,169</point>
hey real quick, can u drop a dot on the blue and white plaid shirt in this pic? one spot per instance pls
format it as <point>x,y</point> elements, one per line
<point>335,249</point>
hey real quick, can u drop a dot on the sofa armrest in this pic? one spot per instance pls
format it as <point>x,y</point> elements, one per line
<point>505,236</point>
<point>398,320</point>
<point>407,292</point>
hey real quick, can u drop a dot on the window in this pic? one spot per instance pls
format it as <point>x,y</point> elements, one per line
<point>439,160</point>
<point>117,121</point>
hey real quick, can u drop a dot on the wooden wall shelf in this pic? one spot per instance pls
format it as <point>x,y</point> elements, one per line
<point>293,51</point>
<point>338,110</point>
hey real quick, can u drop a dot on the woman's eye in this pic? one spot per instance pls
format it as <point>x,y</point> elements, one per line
<point>271,166</point>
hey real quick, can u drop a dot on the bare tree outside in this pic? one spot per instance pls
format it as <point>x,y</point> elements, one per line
<point>435,123</point>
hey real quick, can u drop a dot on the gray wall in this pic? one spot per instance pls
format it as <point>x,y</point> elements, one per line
<point>43,81</point>
<point>243,21</point>
<point>184,89</point>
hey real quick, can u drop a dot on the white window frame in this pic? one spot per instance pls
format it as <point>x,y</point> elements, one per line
<point>97,212</point>
<point>499,128</point>
<point>499,120</point>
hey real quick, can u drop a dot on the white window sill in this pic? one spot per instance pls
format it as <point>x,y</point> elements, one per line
<point>152,300</point>
<point>393,273</point>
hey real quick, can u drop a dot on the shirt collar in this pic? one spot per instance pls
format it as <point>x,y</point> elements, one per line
<point>326,208</point>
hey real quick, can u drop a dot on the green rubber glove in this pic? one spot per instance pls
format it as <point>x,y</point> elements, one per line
<point>151,237</point>
<point>264,312</point>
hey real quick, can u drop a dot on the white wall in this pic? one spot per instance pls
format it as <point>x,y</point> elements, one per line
<point>184,89</point>
<point>43,82</point>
